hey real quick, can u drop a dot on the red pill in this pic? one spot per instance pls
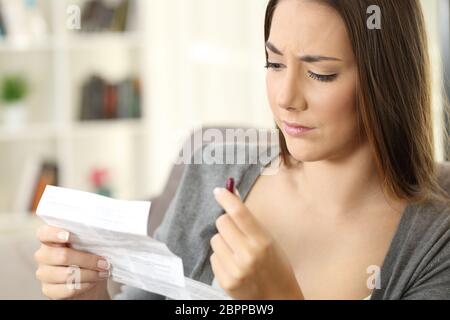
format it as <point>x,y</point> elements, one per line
<point>230,185</point>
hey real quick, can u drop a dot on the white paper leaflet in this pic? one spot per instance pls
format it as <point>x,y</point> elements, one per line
<point>117,230</point>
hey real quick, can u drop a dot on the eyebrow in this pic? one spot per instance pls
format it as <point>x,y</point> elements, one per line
<point>305,58</point>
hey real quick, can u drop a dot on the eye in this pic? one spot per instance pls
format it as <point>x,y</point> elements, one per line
<point>274,66</point>
<point>321,77</point>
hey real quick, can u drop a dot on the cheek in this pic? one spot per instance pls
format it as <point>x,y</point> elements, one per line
<point>331,106</point>
<point>334,107</point>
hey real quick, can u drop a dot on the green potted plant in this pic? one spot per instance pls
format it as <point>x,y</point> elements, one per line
<point>14,90</point>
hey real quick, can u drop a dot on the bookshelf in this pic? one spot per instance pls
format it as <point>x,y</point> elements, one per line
<point>56,66</point>
<point>172,49</point>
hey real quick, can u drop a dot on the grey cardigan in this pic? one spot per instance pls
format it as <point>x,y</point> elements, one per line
<point>417,265</point>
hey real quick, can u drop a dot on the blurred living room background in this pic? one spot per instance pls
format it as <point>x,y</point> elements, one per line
<point>99,95</point>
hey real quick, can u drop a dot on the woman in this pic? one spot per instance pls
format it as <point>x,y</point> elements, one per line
<point>356,194</point>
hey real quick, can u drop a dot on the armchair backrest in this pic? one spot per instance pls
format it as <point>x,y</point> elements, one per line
<point>161,203</point>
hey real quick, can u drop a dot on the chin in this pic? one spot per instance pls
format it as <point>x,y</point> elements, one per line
<point>302,153</point>
<point>304,157</point>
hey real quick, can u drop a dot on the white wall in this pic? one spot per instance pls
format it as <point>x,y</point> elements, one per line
<point>431,12</point>
<point>207,67</point>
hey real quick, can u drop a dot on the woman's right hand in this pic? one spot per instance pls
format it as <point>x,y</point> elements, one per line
<point>66,273</point>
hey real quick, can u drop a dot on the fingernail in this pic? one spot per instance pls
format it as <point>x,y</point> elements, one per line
<point>218,191</point>
<point>104,274</point>
<point>103,264</point>
<point>63,235</point>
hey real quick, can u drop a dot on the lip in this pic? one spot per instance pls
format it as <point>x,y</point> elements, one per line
<point>296,130</point>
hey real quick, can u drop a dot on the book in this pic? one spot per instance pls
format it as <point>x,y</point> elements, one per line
<point>26,186</point>
<point>101,16</point>
<point>119,21</point>
<point>101,99</point>
<point>35,176</point>
<point>110,102</point>
<point>125,98</point>
<point>136,104</point>
<point>92,99</point>
<point>48,175</point>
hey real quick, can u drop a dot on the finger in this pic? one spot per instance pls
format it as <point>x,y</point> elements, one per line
<point>37,255</point>
<point>224,254</point>
<point>70,257</point>
<point>231,234</point>
<point>222,275</point>
<point>236,192</point>
<point>239,213</point>
<point>56,245</point>
<point>47,234</point>
<point>60,275</point>
<point>64,291</point>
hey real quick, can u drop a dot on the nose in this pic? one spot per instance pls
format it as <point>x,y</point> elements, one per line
<point>290,95</point>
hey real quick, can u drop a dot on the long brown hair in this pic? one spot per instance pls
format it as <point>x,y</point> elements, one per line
<point>394,94</point>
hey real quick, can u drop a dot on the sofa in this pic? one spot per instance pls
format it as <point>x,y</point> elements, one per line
<point>18,241</point>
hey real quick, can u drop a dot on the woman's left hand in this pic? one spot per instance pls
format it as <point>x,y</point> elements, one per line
<point>247,262</point>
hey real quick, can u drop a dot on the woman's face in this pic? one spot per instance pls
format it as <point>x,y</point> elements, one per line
<point>312,80</point>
